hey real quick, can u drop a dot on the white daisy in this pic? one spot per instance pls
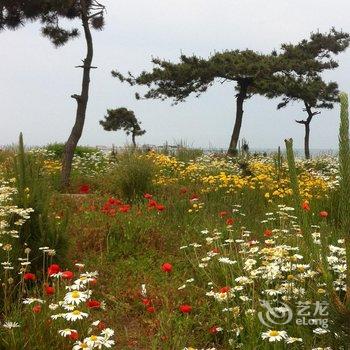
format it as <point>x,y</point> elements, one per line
<point>320,331</point>
<point>75,315</point>
<point>108,332</point>
<point>93,341</point>
<point>67,307</point>
<point>273,335</point>
<point>56,316</point>
<point>107,343</point>
<point>81,345</point>
<point>291,340</point>
<point>29,301</point>
<point>143,291</point>
<point>10,325</point>
<point>53,306</point>
<point>66,332</point>
<point>75,297</point>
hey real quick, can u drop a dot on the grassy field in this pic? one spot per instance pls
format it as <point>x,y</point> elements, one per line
<point>174,251</point>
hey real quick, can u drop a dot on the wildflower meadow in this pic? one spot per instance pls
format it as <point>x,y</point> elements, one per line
<point>181,250</point>
<point>131,220</point>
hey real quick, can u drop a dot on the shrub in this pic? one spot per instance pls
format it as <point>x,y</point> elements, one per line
<point>131,177</point>
<point>44,228</point>
<point>185,154</point>
<point>57,150</point>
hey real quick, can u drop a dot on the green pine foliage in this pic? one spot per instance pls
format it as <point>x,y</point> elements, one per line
<point>122,119</point>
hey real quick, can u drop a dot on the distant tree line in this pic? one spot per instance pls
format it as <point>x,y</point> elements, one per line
<point>293,73</point>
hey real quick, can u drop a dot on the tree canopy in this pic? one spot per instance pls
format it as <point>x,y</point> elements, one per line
<point>250,70</point>
<point>122,119</point>
<point>302,80</point>
<point>195,74</point>
<point>15,13</point>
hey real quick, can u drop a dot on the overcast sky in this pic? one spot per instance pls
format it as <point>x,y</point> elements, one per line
<point>36,80</point>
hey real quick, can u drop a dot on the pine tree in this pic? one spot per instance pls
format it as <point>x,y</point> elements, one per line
<point>15,13</point>
<point>302,81</point>
<point>122,119</point>
<point>247,69</point>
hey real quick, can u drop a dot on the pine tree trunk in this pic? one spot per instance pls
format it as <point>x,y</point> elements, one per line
<point>307,140</point>
<point>242,95</point>
<point>82,101</point>
<point>307,122</point>
<point>133,140</point>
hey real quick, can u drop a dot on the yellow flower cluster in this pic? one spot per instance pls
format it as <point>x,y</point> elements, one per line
<point>51,165</point>
<point>213,175</point>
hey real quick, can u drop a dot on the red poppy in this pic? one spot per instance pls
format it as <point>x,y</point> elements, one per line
<point>111,212</point>
<point>183,190</point>
<point>93,304</point>
<point>152,203</point>
<point>84,189</point>
<point>160,207</point>
<point>151,309</point>
<point>29,276</point>
<point>49,290</point>
<point>323,214</point>
<point>124,208</point>
<point>305,205</point>
<point>230,221</point>
<point>93,281</point>
<point>67,275</point>
<point>147,196</point>
<point>36,308</point>
<point>267,233</point>
<point>223,213</point>
<point>167,267</point>
<point>105,208</point>
<point>74,335</point>
<point>92,208</point>
<point>194,198</point>
<point>101,326</point>
<point>213,330</point>
<point>146,302</point>
<point>113,201</point>
<point>53,269</point>
<point>215,250</point>
<point>185,309</point>
<point>224,289</point>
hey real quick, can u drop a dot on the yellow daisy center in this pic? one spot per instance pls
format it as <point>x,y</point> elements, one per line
<point>274,333</point>
<point>75,294</point>
<point>93,337</point>
<point>76,312</point>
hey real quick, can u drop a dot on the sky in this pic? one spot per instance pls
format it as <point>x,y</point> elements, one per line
<point>37,80</point>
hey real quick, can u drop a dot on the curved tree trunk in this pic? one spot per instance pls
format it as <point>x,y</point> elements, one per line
<point>133,140</point>
<point>307,140</point>
<point>241,96</point>
<point>82,101</point>
<point>306,123</point>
